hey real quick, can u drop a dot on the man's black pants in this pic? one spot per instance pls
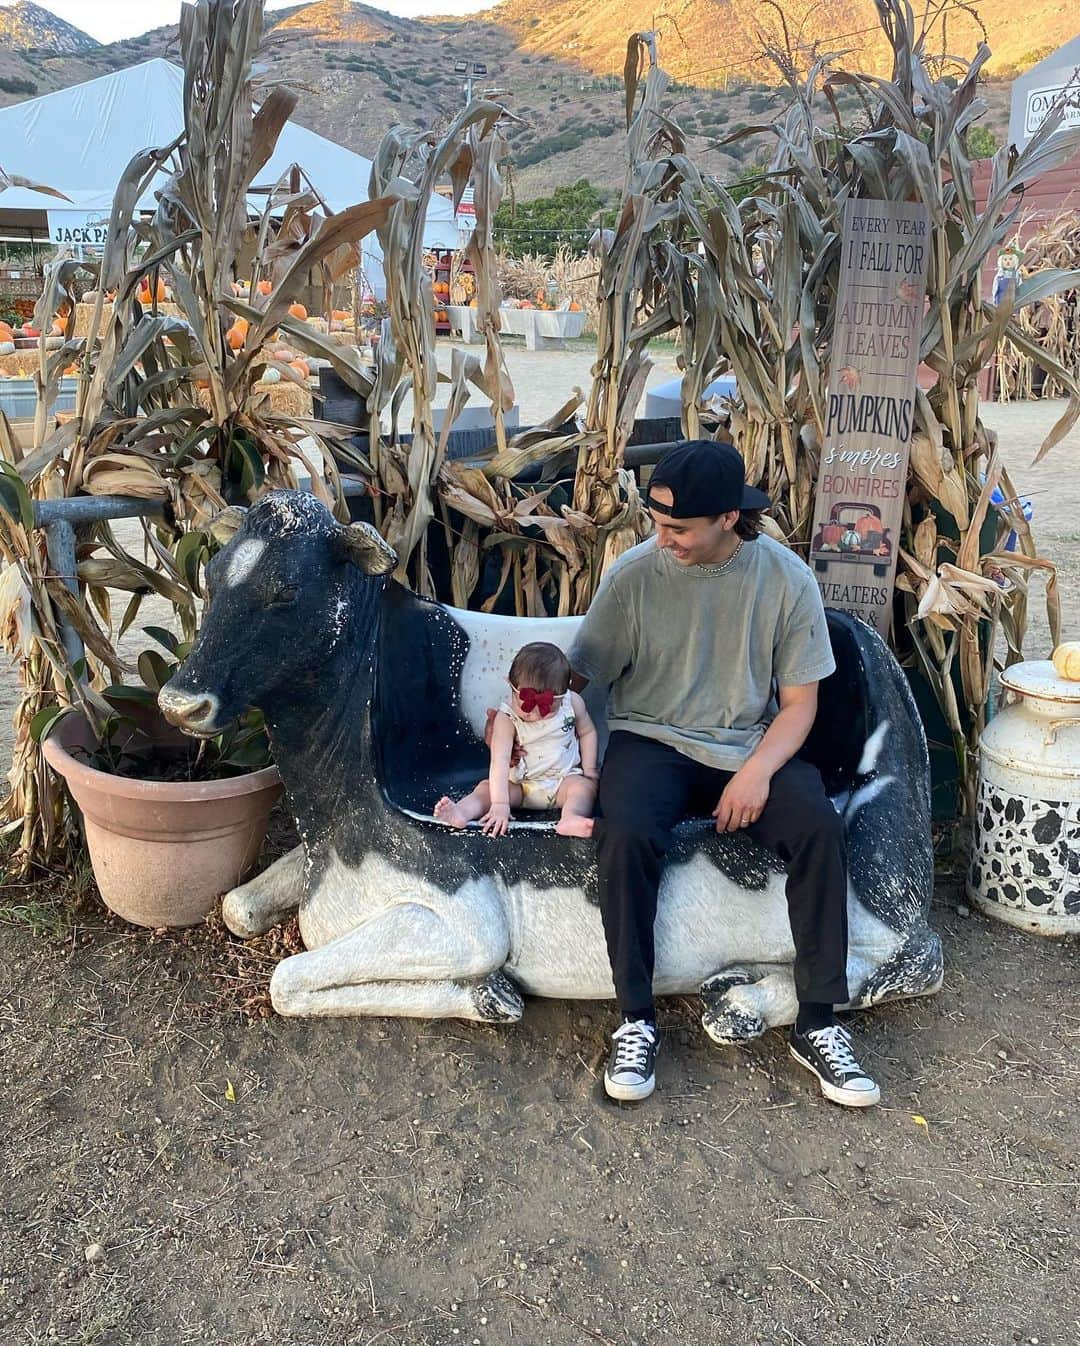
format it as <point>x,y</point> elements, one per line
<point>646,787</point>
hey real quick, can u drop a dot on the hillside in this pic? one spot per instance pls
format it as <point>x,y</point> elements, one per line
<point>26,25</point>
<point>706,42</point>
<point>359,70</point>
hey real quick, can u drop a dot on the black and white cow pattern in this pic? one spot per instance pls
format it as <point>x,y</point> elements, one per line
<point>375,700</point>
<point>1026,852</point>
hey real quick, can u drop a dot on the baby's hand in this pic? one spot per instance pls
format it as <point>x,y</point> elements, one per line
<point>496,821</point>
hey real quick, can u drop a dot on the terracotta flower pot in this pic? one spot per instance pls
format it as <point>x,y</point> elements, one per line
<point>162,851</point>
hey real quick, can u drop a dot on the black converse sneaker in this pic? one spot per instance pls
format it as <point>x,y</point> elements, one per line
<point>828,1053</point>
<point>631,1067</point>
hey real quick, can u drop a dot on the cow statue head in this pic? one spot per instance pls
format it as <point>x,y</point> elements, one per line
<point>290,590</point>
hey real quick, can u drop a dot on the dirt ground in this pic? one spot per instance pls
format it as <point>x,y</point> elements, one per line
<point>254,1181</point>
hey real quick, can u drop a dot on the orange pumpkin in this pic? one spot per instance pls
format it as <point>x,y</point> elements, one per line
<point>298,311</point>
<point>867,524</point>
<point>341,315</point>
<point>301,367</point>
<point>162,293</point>
<point>575,307</point>
<point>235,338</point>
<point>264,287</point>
<point>831,533</point>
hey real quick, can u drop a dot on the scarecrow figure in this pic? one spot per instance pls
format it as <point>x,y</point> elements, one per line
<point>1008,271</point>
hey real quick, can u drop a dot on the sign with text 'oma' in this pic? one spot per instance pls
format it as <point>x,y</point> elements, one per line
<point>870,411</point>
<point>79,227</point>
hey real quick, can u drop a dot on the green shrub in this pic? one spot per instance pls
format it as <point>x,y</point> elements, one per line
<point>18,86</point>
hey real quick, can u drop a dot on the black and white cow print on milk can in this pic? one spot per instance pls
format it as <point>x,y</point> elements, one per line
<point>1025,859</point>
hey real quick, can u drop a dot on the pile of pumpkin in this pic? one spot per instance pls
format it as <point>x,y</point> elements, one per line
<point>237,335</point>
<point>543,302</point>
<point>27,332</point>
<point>159,293</point>
<point>441,291</point>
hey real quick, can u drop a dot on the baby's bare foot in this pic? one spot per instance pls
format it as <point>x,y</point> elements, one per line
<point>574,826</point>
<point>446,811</point>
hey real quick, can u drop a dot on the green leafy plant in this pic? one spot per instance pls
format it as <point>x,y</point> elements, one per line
<point>126,743</point>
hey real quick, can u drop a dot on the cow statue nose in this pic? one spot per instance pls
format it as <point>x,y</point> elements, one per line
<point>192,711</point>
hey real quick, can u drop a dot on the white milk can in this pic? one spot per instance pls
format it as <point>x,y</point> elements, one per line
<point>1025,858</point>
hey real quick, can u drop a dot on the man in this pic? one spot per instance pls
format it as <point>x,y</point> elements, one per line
<point>712,639</point>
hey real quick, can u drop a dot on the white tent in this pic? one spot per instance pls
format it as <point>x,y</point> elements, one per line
<point>80,140</point>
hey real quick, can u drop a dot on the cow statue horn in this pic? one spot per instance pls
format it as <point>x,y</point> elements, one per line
<point>366,547</point>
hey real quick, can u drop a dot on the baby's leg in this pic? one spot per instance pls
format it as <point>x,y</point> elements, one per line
<point>576,797</point>
<point>466,810</point>
<point>473,806</point>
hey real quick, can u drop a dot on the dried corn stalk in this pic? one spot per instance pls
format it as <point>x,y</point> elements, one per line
<point>1051,325</point>
<point>768,283</point>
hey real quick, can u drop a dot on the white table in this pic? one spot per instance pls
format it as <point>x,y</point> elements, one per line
<point>462,319</point>
<point>542,329</point>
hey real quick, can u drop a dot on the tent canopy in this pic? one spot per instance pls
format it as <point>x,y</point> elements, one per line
<point>79,141</point>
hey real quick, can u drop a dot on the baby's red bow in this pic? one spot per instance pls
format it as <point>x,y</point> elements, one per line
<point>534,699</point>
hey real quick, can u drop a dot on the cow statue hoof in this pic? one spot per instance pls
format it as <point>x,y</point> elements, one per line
<point>401,915</point>
<point>497,1000</point>
<point>257,906</point>
<point>738,1005</point>
<point>916,969</point>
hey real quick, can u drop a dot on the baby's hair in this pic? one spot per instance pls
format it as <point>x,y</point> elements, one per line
<point>541,665</point>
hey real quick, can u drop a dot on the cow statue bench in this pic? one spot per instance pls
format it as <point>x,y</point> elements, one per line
<point>375,701</point>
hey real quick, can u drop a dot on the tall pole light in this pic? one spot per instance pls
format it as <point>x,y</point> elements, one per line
<point>463,68</point>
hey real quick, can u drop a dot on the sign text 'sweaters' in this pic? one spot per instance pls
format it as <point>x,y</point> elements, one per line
<point>871,404</point>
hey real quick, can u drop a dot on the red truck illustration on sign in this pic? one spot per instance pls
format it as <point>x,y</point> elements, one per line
<point>854,531</point>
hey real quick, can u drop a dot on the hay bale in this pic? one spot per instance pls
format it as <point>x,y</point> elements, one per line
<point>285,398</point>
<point>19,364</point>
<point>288,399</point>
<point>84,314</point>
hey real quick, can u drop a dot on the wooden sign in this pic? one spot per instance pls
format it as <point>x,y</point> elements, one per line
<point>870,412</point>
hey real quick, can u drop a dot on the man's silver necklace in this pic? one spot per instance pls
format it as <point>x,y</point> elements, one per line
<point>720,569</point>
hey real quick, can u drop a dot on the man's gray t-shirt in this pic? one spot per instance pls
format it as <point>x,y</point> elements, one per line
<point>693,657</point>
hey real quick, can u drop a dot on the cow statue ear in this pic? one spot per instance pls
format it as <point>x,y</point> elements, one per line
<point>227,523</point>
<point>366,547</point>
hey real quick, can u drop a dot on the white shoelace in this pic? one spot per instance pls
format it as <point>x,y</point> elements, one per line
<point>633,1039</point>
<point>834,1043</point>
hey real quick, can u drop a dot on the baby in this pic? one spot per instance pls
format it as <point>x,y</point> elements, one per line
<point>555,762</point>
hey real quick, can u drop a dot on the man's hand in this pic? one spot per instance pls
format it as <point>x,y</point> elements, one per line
<point>489,727</point>
<point>744,798</point>
<point>496,821</point>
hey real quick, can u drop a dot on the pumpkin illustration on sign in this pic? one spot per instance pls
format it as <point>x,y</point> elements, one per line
<point>853,532</point>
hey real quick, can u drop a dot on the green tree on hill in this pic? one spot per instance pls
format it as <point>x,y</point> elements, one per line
<point>568,217</point>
